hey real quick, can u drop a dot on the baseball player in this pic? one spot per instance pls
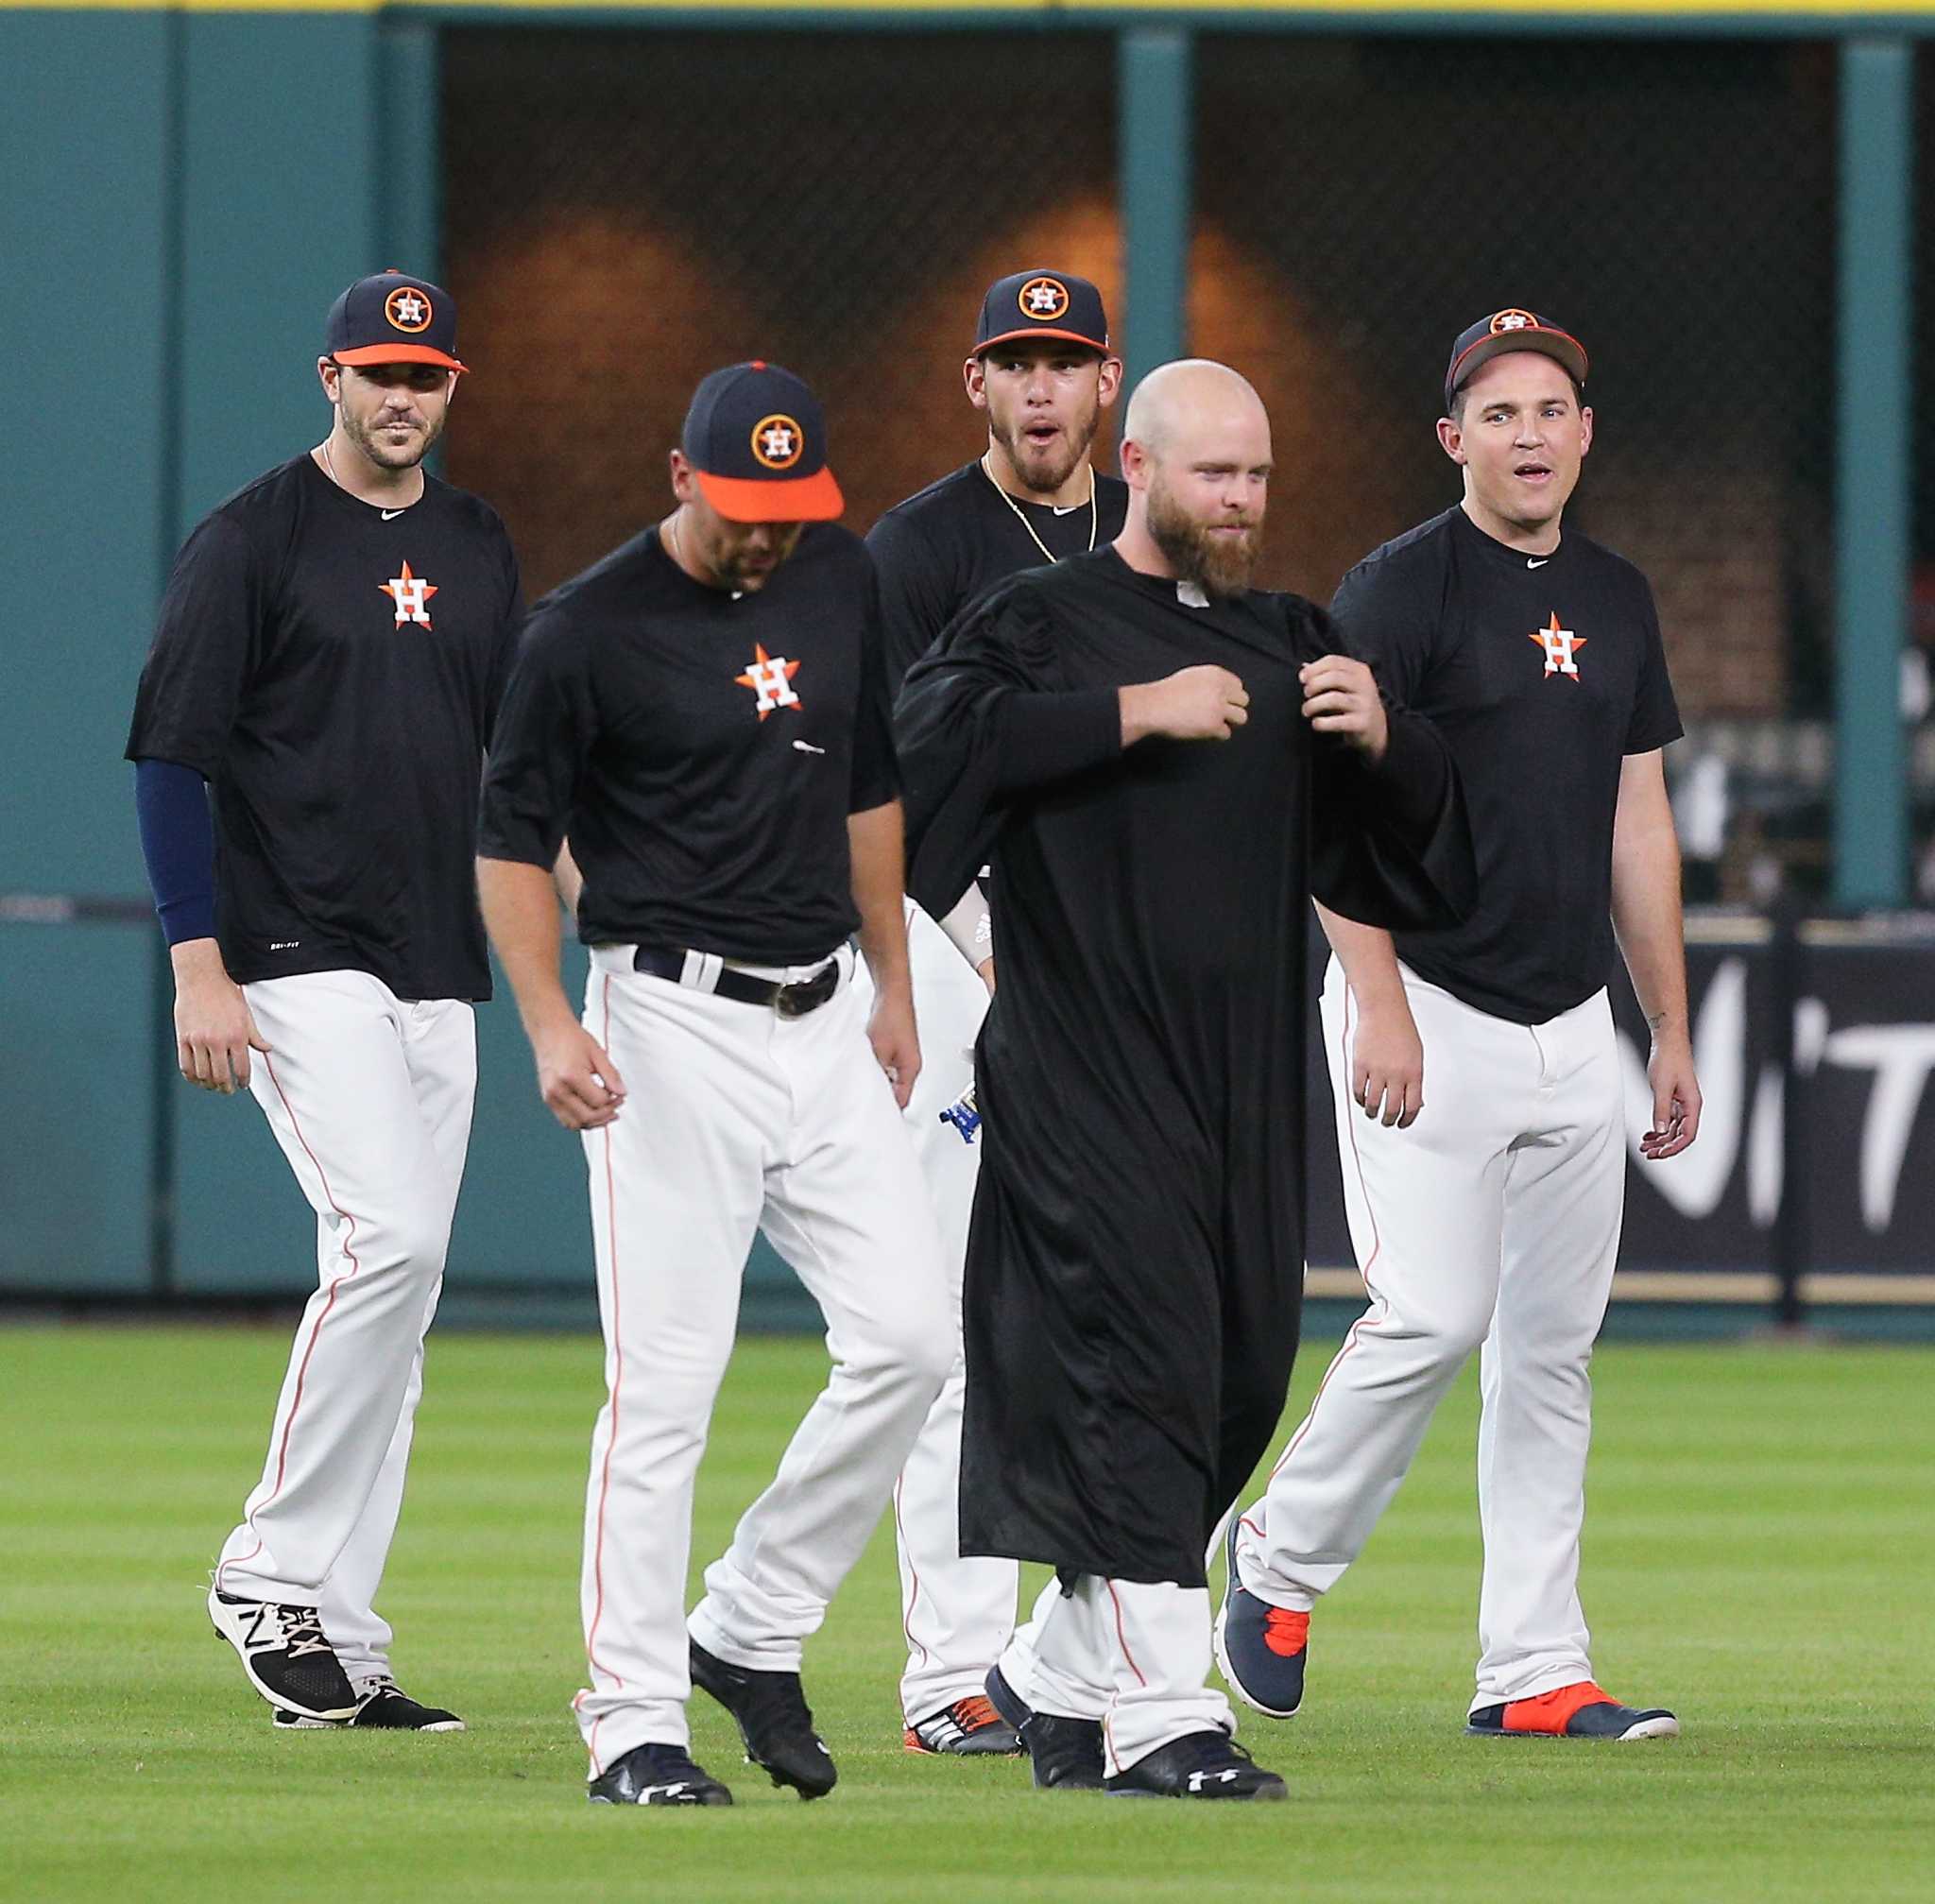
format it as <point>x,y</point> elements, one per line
<point>327,666</point>
<point>1130,735</point>
<point>1492,1217</point>
<point>703,711</point>
<point>1042,371</point>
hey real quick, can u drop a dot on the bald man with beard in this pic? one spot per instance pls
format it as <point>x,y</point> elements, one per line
<point>1161,764</point>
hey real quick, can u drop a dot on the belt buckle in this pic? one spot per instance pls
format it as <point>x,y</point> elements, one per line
<point>796,1001</point>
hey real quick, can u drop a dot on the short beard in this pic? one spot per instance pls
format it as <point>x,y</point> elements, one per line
<point>1221,566</point>
<point>1081,435</point>
<point>387,456</point>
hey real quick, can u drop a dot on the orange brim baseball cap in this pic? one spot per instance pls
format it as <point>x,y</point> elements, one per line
<point>393,318</point>
<point>746,499</point>
<point>1026,305</point>
<point>1513,330</point>
<point>756,438</point>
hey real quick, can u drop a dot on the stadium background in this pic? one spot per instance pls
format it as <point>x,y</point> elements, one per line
<point>1723,204</point>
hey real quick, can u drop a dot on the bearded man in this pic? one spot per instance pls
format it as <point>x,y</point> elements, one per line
<point>1135,1258</point>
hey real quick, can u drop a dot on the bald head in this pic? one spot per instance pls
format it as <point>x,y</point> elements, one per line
<point>1196,454</point>
<point>1193,397</point>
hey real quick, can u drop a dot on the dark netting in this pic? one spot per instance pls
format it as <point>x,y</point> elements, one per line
<point>626,211</point>
<point>1358,203</point>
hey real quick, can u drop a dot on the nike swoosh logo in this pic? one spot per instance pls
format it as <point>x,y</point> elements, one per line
<point>388,514</point>
<point>1539,565</point>
<point>1070,511</point>
<point>807,747</point>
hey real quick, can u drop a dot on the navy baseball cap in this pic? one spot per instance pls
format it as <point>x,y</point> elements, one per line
<point>757,438</point>
<point>393,318</point>
<point>1042,304</point>
<point>1513,330</point>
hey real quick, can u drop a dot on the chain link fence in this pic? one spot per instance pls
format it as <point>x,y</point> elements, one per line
<point>624,210</point>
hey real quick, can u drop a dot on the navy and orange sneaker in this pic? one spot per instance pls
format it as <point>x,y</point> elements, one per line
<point>1581,1710</point>
<point>1260,1648</point>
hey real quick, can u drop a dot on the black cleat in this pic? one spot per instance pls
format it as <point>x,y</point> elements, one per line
<point>1006,1701</point>
<point>656,1775</point>
<point>382,1705</point>
<point>774,1721</point>
<point>1065,1752</point>
<point>1200,1765</point>
<point>969,1728</point>
<point>286,1656</point>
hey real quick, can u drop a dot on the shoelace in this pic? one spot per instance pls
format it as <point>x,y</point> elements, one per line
<point>1285,1632</point>
<point>972,1713</point>
<point>301,1631</point>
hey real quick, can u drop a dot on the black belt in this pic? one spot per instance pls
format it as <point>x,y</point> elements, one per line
<point>789,1000</point>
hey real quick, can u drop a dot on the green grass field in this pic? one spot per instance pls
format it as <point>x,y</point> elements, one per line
<point>1760,1554</point>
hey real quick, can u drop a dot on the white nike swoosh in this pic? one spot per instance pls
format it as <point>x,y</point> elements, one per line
<point>1539,565</point>
<point>807,747</point>
<point>389,513</point>
<point>1070,511</point>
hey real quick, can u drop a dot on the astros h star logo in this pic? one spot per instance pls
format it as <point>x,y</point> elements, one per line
<point>1045,299</point>
<point>407,308</point>
<point>1561,647</point>
<point>411,593</point>
<point>778,441</point>
<point>770,677</point>
<point>1514,320</point>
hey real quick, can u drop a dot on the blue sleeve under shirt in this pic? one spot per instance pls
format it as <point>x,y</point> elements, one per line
<point>178,841</point>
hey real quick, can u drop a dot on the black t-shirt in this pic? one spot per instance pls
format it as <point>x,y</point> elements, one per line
<point>939,549</point>
<point>1542,673</point>
<point>333,670</point>
<point>702,749</point>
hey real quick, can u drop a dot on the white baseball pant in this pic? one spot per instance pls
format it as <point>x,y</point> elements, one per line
<point>736,1121</point>
<point>956,1613</point>
<point>1493,1221</point>
<point>1133,1654</point>
<point>370,1096</point>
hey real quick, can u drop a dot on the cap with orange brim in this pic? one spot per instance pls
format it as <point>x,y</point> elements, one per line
<point>1512,329</point>
<point>1042,303</point>
<point>756,438</point>
<point>393,318</point>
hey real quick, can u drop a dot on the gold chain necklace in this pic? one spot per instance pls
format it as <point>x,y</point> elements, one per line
<point>1048,554</point>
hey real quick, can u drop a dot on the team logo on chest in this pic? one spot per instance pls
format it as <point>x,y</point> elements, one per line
<point>411,593</point>
<point>1562,648</point>
<point>770,677</point>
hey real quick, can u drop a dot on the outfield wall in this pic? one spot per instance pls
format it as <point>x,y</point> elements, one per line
<point>187,188</point>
